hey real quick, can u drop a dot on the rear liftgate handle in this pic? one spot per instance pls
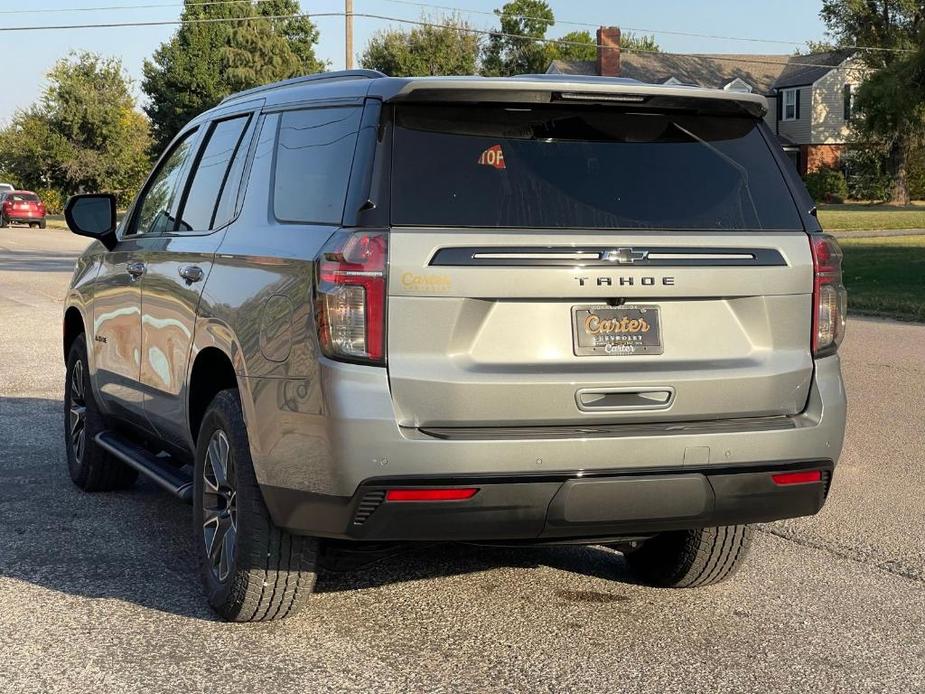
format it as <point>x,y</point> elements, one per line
<point>624,399</point>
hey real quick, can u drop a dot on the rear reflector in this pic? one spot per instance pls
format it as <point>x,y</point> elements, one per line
<point>797,477</point>
<point>430,494</point>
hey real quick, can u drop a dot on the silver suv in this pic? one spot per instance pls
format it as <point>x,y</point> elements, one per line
<point>351,308</point>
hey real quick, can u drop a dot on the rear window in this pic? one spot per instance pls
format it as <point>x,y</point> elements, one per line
<point>314,154</point>
<point>22,197</point>
<point>584,168</point>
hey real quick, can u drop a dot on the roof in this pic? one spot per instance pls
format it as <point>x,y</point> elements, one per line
<point>357,85</point>
<point>796,74</point>
<point>764,72</point>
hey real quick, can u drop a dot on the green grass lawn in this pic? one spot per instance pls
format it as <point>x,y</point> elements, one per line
<point>886,276</point>
<point>864,216</point>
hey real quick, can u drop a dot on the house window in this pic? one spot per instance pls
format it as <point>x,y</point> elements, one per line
<point>791,110</point>
<point>848,95</point>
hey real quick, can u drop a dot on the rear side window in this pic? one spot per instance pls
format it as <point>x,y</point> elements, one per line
<point>584,168</point>
<point>211,174</point>
<point>314,153</point>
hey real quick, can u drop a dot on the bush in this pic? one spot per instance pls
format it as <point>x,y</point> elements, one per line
<point>827,185</point>
<point>916,174</point>
<point>865,174</point>
<point>54,199</point>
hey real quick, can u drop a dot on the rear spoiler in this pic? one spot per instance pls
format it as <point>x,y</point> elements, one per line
<point>555,89</point>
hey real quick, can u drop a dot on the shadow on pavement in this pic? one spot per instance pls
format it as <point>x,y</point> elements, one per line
<point>136,545</point>
<point>37,261</point>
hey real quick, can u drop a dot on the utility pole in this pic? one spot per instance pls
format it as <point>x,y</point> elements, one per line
<point>348,34</point>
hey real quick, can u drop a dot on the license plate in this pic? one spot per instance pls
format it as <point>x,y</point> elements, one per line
<point>609,331</point>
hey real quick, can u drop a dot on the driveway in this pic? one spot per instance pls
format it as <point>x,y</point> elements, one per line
<point>98,594</point>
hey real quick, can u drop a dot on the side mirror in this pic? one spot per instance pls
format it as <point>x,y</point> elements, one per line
<point>93,215</point>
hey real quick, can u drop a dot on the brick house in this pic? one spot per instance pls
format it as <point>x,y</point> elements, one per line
<point>809,96</point>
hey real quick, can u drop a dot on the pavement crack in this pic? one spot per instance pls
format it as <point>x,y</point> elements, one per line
<point>896,567</point>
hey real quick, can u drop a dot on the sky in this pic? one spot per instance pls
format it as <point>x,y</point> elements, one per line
<point>26,56</point>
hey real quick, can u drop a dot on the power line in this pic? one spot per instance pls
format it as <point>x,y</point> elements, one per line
<point>367,15</point>
<point>109,8</point>
<point>666,32</point>
<point>412,3</point>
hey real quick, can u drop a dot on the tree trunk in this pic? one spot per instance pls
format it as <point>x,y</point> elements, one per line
<point>896,162</point>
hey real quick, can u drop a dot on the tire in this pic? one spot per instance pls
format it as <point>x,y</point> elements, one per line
<point>3,222</point>
<point>262,573</point>
<point>91,468</point>
<point>691,558</point>
<point>43,224</point>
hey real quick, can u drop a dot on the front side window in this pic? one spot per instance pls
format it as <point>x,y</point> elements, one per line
<point>790,104</point>
<point>210,174</point>
<point>591,167</point>
<point>154,207</point>
<point>314,155</point>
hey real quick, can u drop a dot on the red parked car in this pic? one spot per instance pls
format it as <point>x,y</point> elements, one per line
<point>22,206</point>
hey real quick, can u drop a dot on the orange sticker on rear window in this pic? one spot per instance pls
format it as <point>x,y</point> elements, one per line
<point>493,156</point>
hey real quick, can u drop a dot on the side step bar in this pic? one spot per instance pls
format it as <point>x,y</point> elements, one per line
<point>164,474</point>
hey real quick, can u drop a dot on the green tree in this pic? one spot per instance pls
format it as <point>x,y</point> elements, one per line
<point>450,49</point>
<point>205,61</point>
<point>83,134</point>
<point>639,44</point>
<point>580,45</point>
<point>518,47</point>
<point>576,45</point>
<point>890,103</point>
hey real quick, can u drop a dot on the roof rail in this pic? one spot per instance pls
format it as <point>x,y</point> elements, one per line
<point>321,76</point>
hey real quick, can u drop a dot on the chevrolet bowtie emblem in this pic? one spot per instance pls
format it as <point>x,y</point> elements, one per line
<point>624,256</point>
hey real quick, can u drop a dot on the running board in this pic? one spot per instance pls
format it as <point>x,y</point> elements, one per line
<point>162,472</point>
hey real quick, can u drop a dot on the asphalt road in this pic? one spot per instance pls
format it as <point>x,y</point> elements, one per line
<point>98,594</point>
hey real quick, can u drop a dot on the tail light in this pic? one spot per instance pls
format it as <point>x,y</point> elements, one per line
<point>830,300</point>
<point>350,296</point>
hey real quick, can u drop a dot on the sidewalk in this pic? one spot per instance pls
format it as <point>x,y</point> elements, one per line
<point>874,233</point>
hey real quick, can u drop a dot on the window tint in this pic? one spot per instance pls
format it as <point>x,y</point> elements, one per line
<point>210,174</point>
<point>227,201</point>
<point>584,168</point>
<point>154,207</point>
<point>313,158</point>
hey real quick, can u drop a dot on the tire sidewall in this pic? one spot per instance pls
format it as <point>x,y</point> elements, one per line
<point>223,413</point>
<point>79,469</point>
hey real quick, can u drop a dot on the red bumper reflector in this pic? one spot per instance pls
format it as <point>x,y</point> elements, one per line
<point>797,477</point>
<point>430,494</point>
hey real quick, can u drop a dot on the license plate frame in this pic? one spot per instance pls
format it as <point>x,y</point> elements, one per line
<point>646,339</point>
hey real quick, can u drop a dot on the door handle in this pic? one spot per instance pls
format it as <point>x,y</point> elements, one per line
<point>136,269</point>
<point>191,273</point>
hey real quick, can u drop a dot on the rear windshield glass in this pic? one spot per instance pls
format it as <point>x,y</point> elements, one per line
<point>22,197</point>
<point>584,168</point>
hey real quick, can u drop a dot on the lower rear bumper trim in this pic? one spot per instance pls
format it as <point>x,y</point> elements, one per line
<point>540,508</point>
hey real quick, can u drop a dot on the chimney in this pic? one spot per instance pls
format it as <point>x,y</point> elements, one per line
<point>608,51</point>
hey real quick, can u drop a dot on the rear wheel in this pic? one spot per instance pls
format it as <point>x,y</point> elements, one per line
<point>3,222</point>
<point>91,468</point>
<point>691,558</point>
<point>43,224</point>
<point>252,571</point>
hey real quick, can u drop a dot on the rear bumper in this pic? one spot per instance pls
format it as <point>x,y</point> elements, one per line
<point>555,508</point>
<point>316,465</point>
